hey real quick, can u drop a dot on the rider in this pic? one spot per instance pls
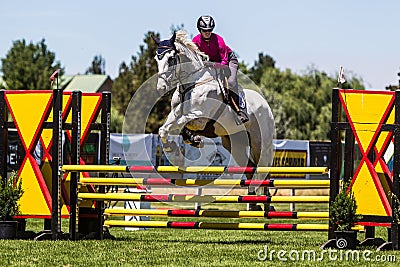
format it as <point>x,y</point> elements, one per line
<point>215,48</point>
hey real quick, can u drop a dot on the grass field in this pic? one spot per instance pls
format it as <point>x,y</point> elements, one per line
<point>174,247</point>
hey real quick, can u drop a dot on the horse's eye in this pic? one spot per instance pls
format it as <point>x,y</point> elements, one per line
<point>172,61</point>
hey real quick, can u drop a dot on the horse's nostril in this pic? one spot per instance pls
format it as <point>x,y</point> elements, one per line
<point>162,89</point>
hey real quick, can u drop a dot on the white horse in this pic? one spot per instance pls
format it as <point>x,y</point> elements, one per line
<point>198,107</point>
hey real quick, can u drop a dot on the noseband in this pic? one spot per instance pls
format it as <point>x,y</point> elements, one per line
<point>172,62</point>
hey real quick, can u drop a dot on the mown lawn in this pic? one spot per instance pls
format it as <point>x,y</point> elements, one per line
<point>174,247</point>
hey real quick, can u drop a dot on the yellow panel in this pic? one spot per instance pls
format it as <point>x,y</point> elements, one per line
<point>28,111</point>
<point>47,173</point>
<point>378,168</point>
<point>89,106</point>
<point>32,201</point>
<point>64,210</point>
<point>383,181</point>
<point>50,118</point>
<point>47,136</point>
<point>390,119</point>
<point>383,135</point>
<point>173,169</point>
<point>381,139</point>
<point>367,197</point>
<point>66,98</point>
<point>366,111</point>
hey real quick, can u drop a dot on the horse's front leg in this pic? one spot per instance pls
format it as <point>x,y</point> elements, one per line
<point>177,123</point>
<point>164,130</point>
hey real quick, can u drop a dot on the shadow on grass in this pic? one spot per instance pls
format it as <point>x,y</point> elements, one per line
<point>194,241</point>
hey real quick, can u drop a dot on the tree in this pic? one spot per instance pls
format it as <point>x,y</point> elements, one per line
<point>301,104</point>
<point>98,66</point>
<point>29,66</point>
<point>260,65</point>
<point>174,28</point>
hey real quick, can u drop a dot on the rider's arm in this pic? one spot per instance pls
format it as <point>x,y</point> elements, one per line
<point>224,51</point>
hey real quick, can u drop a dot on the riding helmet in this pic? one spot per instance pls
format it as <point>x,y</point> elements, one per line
<point>205,23</point>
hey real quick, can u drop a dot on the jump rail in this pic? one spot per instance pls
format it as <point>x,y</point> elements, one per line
<point>101,197</point>
<point>217,213</point>
<point>201,182</point>
<point>222,226</point>
<point>202,198</point>
<point>195,169</point>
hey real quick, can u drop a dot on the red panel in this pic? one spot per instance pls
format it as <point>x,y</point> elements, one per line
<point>141,169</point>
<point>279,226</point>
<point>158,181</point>
<point>182,213</point>
<point>155,198</point>
<point>254,199</point>
<point>281,214</point>
<point>189,225</point>
<point>258,183</point>
<point>240,170</point>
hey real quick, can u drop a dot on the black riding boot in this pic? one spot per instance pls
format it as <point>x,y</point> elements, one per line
<point>241,111</point>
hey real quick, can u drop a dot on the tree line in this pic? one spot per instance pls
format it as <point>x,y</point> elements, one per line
<point>301,103</point>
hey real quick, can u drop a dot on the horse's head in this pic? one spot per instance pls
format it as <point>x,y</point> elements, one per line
<point>178,60</point>
<point>166,58</point>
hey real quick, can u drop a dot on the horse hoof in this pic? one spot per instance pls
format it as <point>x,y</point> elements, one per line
<point>169,146</point>
<point>198,141</point>
<point>198,144</point>
<point>271,208</point>
<point>167,149</point>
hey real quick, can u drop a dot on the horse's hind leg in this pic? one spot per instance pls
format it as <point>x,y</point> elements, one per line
<point>239,152</point>
<point>261,154</point>
<point>238,145</point>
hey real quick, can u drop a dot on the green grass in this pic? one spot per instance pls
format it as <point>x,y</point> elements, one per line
<point>174,247</point>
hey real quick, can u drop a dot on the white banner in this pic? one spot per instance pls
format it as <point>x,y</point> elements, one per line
<point>132,149</point>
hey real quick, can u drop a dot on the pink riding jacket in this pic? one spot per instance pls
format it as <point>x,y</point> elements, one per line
<point>216,48</point>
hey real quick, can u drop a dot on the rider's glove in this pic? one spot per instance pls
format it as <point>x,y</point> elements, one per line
<point>224,68</point>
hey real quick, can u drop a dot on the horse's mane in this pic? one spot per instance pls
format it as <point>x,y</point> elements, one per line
<point>185,45</point>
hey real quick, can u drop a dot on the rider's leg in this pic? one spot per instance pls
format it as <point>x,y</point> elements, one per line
<point>237,91</point>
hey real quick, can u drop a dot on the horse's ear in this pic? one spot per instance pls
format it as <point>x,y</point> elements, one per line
<point>155,39</point>
<point>173,37</point>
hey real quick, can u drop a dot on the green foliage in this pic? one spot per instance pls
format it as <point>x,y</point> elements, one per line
<point>396,207</point>
<point>98,66</point>
<point>243,68</point>
<point>177,247</point>
<point>343,209</point>
<point>264,62</point>
<point>301,104</point>
<point>29,66</point>
<point>10,193</point>
<point>174,28</point>
<point>116,121</point>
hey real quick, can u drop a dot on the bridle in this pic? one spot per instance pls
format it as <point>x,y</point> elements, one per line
<point>173,63</point>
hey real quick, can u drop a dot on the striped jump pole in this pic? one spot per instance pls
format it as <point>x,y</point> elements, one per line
<point>217,214</point>
<point>218,226</point>
<point>195,169</point>
<point>202,198</point>
<point>201,182</point>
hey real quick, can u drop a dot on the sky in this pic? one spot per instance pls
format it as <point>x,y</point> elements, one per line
<point>362,36</point>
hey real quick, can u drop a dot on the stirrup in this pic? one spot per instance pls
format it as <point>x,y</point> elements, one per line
<point>243,116</point>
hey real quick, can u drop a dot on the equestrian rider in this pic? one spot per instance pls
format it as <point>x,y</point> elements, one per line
<point>218,52</point>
